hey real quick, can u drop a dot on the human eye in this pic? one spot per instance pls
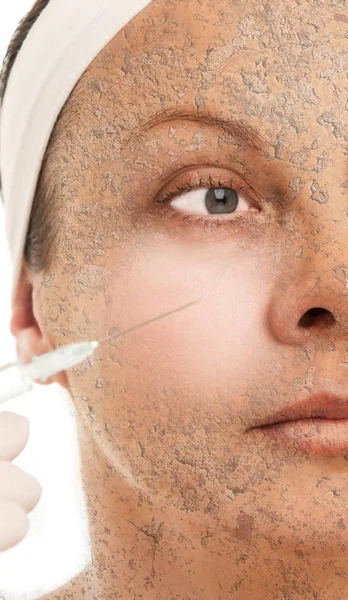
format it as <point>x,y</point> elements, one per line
<point>210,199</point>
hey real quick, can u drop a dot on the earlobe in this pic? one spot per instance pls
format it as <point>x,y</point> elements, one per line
<point>22,311</point>
<point>24,326</point>
<point>30,339</point>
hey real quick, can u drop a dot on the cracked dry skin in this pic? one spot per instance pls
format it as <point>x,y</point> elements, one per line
<point>185,500</point>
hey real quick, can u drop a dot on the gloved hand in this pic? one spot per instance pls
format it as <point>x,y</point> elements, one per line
<point>19,491</point>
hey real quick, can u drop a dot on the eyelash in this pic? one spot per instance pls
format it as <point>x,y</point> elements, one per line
<point>204,183</point>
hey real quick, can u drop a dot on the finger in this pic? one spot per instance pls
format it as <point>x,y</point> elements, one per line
<point>14,525</point>
<point>14,434</point>
<point>18,486</point>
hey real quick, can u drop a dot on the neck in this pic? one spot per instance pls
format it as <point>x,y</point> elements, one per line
<point>140,544</point>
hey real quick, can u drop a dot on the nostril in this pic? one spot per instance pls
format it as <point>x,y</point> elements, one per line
<point>315,315</point>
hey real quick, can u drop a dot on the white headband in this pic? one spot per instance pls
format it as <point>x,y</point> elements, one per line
<point>62,43</point>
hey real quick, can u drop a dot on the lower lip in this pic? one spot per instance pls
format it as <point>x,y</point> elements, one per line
<point>310,436</point>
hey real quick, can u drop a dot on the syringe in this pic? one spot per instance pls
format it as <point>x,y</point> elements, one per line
<point>17,378</point>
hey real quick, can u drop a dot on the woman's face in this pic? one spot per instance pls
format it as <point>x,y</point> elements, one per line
<point>261,240</point>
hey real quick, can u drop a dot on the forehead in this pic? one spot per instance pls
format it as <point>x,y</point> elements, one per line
<point>249,54</point>
<point>301,35</point>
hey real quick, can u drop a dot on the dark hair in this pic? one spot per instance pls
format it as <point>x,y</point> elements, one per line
<point>43,224</point>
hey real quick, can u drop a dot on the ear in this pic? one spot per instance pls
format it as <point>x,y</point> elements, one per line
<point>31,338</point>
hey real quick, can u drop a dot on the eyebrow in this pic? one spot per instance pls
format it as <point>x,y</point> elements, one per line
<point>240,130</point>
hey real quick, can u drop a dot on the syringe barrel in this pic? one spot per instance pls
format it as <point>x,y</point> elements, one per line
<point>13,383</point>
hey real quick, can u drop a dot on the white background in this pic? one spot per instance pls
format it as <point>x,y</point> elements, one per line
<point>56,547</point>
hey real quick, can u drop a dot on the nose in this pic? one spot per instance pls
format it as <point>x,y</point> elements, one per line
<point>310,298</point>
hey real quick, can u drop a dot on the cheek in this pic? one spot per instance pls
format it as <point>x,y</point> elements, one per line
<point>205,344</point>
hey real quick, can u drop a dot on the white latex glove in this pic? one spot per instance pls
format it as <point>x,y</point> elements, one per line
<point>19,491</point>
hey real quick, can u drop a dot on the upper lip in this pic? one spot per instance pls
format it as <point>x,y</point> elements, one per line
<point>322,405</point>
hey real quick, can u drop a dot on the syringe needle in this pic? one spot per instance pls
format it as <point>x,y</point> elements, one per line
<point>147,322</point>
<point>17,379</point>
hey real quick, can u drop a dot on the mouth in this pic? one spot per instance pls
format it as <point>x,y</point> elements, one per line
<point>316,425</point>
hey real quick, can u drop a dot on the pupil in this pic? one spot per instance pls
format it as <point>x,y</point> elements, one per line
<point>221,200</point>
